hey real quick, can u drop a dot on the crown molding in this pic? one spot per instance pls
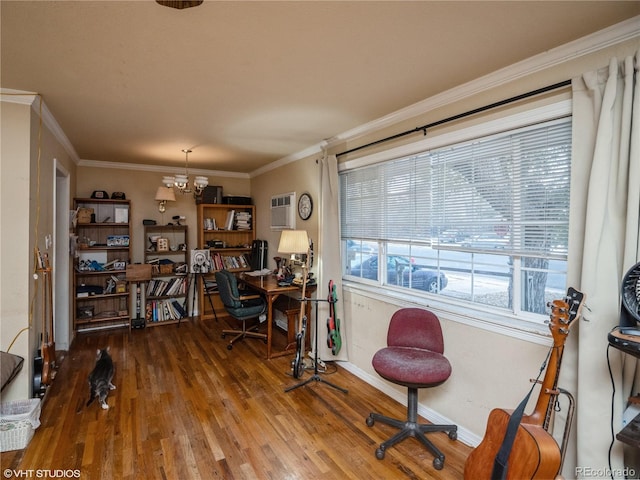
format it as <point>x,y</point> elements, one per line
<point>594,42</point>
<point>37,103</point>
<point>159,169</point>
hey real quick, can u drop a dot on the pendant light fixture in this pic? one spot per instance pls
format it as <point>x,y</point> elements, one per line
<point>181,181</point>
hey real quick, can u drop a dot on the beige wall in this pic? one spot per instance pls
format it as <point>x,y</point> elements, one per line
<point>27,178</point>
<point>299,177</point>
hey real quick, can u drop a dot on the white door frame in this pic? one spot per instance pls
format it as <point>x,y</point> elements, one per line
<point>63,319</point>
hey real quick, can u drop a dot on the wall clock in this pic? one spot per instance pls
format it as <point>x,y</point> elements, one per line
<point>305,206</point>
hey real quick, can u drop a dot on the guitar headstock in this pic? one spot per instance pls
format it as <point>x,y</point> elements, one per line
<point>563,313</point>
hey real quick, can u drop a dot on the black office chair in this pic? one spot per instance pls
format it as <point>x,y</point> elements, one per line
<point>240,306</point>
<point>413,358</point>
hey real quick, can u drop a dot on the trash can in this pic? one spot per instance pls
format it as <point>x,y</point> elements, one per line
<point>18,422</point>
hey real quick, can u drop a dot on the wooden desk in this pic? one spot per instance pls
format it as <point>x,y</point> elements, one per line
<point>268,286</point>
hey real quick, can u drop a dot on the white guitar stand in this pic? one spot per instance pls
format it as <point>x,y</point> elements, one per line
<point>316,376</point>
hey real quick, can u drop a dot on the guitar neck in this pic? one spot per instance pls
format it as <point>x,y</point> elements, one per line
<point>543,410</point>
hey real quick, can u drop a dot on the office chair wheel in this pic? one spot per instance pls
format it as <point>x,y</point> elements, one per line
<point>229,347</point>
<point>453,435</point>
<point>223,335</point>
<point>370,421</point>
<point>380,453</point>
<point>438,463</point>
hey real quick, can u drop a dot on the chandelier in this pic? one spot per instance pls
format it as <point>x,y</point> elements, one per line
<point>181,181</point>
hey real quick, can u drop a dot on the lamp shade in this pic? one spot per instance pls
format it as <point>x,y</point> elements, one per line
<point>294,241</point>
<point>165,194</point>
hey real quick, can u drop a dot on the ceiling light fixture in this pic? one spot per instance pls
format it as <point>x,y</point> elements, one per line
<point>179,4</point>
<point>181,181</point>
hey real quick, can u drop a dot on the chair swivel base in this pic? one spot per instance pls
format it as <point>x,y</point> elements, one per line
<point>411,428</point>
<point>241,334</point>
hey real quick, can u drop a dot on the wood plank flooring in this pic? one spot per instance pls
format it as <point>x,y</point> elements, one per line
<point>185,407</point>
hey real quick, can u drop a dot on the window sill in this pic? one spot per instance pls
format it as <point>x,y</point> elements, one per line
<point>444,307</point>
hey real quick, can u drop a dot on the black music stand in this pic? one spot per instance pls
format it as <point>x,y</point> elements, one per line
<point>316,376</point>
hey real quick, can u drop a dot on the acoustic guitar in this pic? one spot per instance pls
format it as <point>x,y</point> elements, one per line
<point>533,453</point>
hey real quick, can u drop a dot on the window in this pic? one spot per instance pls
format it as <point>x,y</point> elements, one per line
<point>483,221</point>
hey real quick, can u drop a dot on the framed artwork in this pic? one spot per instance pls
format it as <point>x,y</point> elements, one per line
<point>200,261</point>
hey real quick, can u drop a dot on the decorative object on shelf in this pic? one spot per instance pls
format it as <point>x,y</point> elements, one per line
<point>181,181</point>
<point>163,245</point>
<point>164,195</point>
<point>305,206</point>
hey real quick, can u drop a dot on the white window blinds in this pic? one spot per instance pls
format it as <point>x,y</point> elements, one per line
<point>508,191</point>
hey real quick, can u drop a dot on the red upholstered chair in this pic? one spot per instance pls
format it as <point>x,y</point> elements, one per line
<point>413,358</point>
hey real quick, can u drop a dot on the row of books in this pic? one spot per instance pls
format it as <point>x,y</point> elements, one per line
<point>163,288</point>
<point>163,310</point>
<point>229,262</point>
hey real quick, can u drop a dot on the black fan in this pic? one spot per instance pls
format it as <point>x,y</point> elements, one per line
<point>630,311</point>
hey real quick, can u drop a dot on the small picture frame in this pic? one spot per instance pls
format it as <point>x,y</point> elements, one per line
<point>163,245</point>
<point>200,261</point>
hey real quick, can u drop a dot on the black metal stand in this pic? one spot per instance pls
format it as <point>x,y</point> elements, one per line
<point>193,280</point>
<point>316,376</point>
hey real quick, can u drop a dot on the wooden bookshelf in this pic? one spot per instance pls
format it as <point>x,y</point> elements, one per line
<point>229,247</point>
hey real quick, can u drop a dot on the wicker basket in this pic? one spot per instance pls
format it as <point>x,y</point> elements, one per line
<point>18,421</point>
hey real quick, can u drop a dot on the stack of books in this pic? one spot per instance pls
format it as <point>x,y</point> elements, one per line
<point>243,221</point>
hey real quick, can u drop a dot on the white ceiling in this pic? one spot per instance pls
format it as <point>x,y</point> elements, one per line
<point>245,83</point>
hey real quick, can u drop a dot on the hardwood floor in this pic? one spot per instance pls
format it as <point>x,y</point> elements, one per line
<point>185,407</point>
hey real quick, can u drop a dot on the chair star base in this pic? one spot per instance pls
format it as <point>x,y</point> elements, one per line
<point>411,428</point>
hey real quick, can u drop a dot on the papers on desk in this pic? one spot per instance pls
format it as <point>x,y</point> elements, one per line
<point>259,273</point>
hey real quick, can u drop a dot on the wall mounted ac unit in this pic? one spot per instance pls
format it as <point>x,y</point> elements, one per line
<point>283,215</point>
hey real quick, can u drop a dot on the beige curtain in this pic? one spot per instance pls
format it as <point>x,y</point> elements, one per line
<point>604,244</point>
<point>330,266</point>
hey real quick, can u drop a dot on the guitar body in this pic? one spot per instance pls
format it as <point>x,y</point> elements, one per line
<point>535,453</point>
<point>334,341</point>
<point>38,386</point>
<point>298,361</point>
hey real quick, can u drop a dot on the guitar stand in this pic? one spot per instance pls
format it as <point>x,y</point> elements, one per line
<point>316,376</point>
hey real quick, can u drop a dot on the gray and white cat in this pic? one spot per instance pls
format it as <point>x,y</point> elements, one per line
<point>100,378</point>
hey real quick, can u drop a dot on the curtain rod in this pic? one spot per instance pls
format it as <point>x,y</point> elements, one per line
<point>424,128</point>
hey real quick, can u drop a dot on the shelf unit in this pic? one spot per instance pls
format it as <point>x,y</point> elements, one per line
<point>103,249</point>
<point>171,268</point>
<point>229,246</point>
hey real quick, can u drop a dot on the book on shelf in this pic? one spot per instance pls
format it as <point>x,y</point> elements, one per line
<point>163,310</point>
<point>160,288</point>
<point>228,224</point>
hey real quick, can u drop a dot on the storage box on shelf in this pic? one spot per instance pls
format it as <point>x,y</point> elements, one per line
<point>166,249</point>
<point>228,232</point>
<point>104,235</point>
